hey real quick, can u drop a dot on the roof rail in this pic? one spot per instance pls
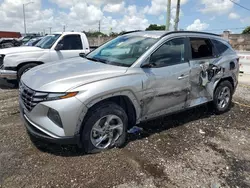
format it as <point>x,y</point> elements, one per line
<point>197,32</point>
<point>127,32</point>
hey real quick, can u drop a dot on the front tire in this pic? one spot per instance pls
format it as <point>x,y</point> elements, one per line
<point>24,69</point>
<point>105,127</point>
<point>223,97</point>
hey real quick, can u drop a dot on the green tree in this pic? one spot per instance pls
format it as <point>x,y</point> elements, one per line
<point>155,27</point>
<point>113,34</point>
<point>246,30</point>
<point>94,34</point>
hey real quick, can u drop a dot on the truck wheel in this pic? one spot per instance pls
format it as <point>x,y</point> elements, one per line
<point>24,69</point>
<point>223,97</point>
<point>105,127</point>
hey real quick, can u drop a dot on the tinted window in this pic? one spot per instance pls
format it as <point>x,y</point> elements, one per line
<point>221,47</point>
<point>72,42</point>
<point>170,53</point>
<point>201,48</point>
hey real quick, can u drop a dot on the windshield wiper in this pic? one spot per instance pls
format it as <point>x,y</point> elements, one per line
<point>96,59</point>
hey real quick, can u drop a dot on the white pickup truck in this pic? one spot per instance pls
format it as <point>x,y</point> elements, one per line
<point>16,61</point>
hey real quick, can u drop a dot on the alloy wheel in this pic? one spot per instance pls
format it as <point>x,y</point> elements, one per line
<point>106,131</point>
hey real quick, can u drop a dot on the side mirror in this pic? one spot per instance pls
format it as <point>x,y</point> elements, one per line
<point>82,54</point>
<point>147,65</point>
<point>59,46</point>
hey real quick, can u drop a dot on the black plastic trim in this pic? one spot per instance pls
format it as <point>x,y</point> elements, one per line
<point>10,68</point>
<point>188,32</point>
<point>42,136</point>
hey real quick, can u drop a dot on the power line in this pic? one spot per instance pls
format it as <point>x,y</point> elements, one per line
<point>240,5</point>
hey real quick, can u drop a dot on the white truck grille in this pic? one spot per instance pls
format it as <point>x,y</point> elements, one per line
<point>1,61</point>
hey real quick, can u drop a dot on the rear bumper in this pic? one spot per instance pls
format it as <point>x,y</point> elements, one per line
<point>41,134</point>
<point>8,74</point>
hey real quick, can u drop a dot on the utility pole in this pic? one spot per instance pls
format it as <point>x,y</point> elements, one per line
<point>50,30</point>
<point>168,15</point>
<point>99,27</point>
<point>24,22</point>
<point>24,18</point>
<point>63,28</point>
<point>177,15</point>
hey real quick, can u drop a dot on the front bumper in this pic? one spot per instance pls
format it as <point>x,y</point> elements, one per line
<point>42,134</point>
<point>8,74</point>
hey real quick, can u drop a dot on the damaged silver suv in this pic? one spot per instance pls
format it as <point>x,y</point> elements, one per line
<point>93,100</point>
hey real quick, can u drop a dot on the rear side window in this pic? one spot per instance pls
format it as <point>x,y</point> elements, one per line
<point>221,47</point>
<point>201,48</point>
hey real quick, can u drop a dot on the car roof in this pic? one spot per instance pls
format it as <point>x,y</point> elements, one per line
<point>160,34</point>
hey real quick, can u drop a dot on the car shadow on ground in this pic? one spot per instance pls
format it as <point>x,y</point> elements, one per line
<point>6,85</point>
<point>147,129</point>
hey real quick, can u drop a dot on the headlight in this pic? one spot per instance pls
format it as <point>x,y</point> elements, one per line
<point>56,96</point>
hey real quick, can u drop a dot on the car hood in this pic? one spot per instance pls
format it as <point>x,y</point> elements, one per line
<point>68,74</point>
<point>19,50</point>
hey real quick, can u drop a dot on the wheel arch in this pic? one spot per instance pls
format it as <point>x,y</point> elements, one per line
<point>28,62</point>
<point>125,99</point>
<point>229,78</point>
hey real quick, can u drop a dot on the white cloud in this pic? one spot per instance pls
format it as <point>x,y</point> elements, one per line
<point>84,13</point>
<point>233,15</point>
<point>245,20</point>
<point>78,15</point>
<point>69,3</point>
<point>159,6</point>
<point>197,26</point>
<point>133,20</point>
<point>212,18</point>
<point>114,8</point>
<point>216,6</point>
<point>11,14</point>
<point>161,17</point>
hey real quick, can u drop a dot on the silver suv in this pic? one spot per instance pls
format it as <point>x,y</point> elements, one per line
<point>92,101</point>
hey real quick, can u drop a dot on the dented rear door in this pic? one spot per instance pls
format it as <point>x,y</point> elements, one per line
<point>203,59</point>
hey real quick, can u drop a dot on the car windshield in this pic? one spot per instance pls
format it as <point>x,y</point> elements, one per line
<point>25,39</point>
<point>123,50</point>
<point>48,41</point>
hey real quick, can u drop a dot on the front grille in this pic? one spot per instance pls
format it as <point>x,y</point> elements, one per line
<point>1,60</point>
<point>30,97</point>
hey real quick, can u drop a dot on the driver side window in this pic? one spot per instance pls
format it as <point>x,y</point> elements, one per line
<point>170,53</point>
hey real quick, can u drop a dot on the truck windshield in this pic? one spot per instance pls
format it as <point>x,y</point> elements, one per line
<point>123,50</point>
<point>48,41</point>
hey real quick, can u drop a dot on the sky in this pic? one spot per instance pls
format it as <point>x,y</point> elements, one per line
<point>121,15</point>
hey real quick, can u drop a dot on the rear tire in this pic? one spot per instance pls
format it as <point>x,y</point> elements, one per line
<point>223,97</point>
<point>100,124</point>
<point>24,69</point>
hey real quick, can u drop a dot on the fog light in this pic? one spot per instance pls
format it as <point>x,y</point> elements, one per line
<point>54,116</point>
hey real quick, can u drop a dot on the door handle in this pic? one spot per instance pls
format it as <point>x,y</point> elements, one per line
<point>182,77</point>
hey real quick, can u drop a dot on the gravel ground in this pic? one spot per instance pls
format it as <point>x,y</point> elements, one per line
<point>190,149</point>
